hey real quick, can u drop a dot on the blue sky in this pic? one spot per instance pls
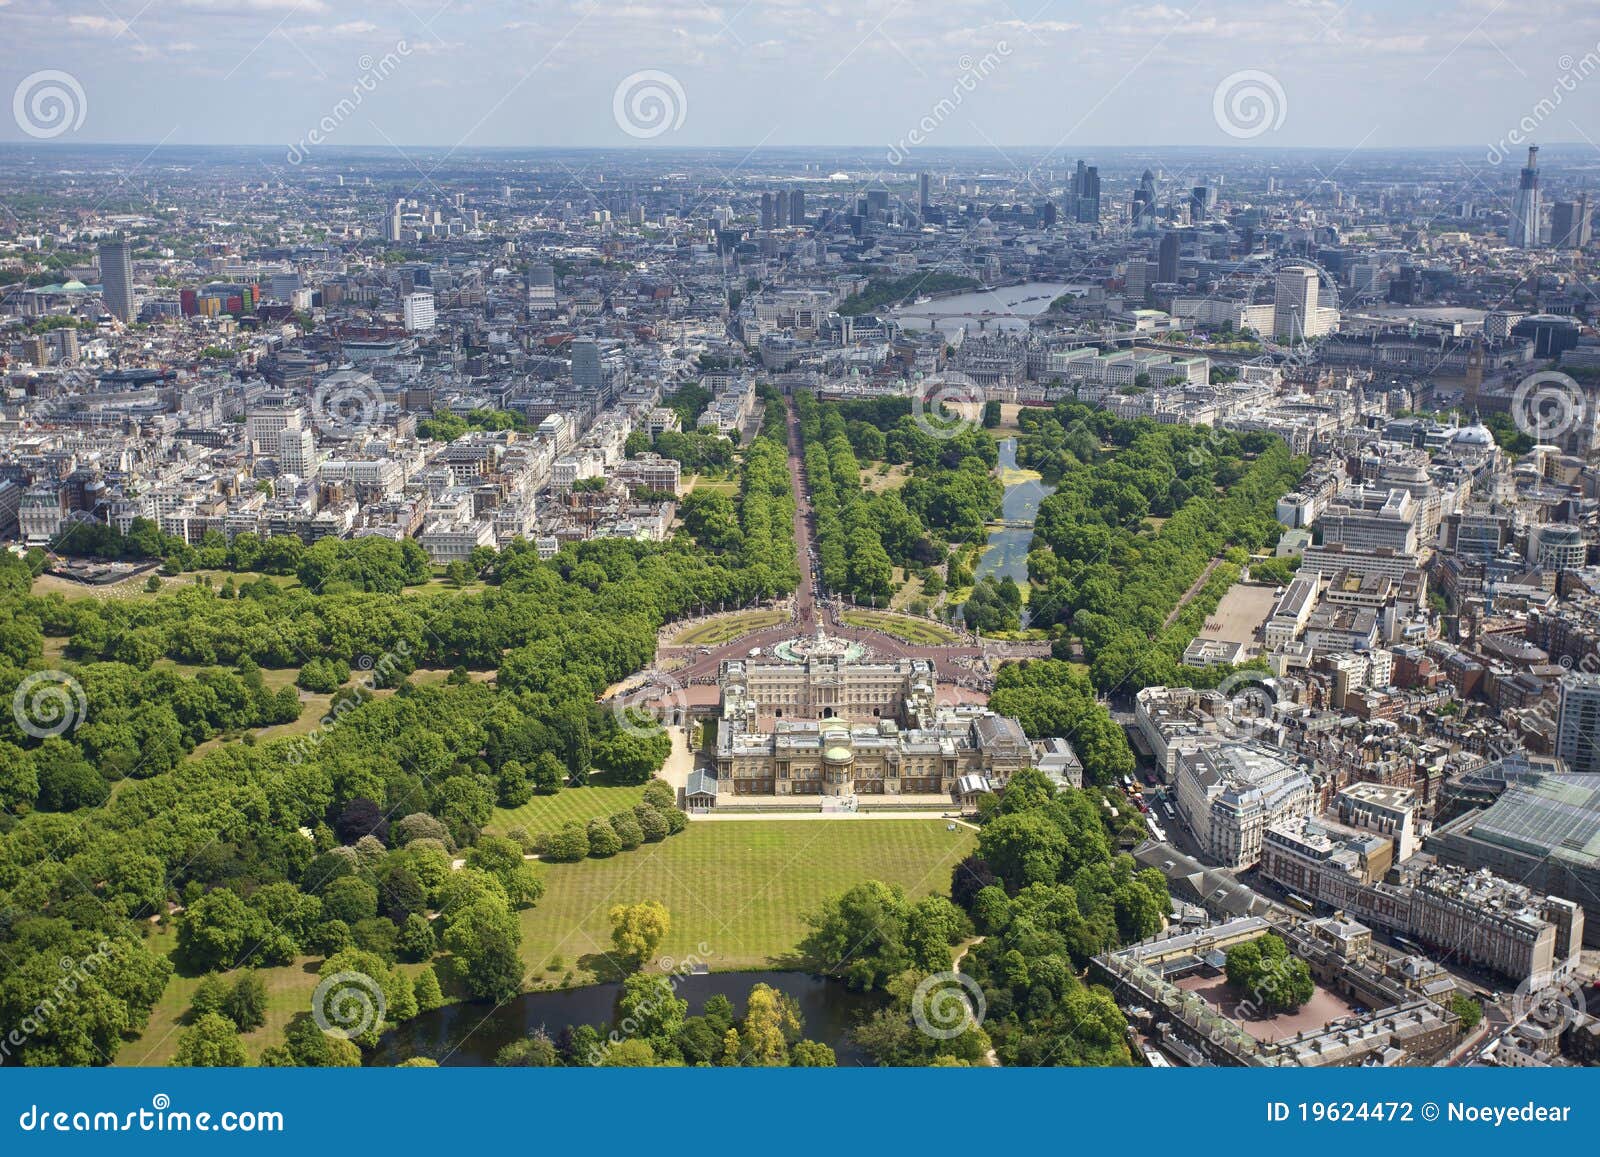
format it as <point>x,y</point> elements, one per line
<point>786,72</point>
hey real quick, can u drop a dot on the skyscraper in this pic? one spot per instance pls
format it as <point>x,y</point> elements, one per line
<point>587,374</point>
<point>797,207</point>
<point>1569,223</point>
<point>116,279</point>
<point>1144,203</point>
<point>1578,725</point>
<point>1524,230</point>
<point>1089,197</point>
<point>924,191</point>
<point>767,218</point>
<point>1294,303</point>
<point>780,214</point>
<point>1167,259</point>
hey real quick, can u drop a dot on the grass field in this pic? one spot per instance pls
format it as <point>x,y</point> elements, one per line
<point>546,813</point>
<point>724,627</point>
<point>910,629</point>
<point>739,887</point>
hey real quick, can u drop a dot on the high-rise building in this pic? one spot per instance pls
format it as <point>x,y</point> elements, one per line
<point>780,214</point>
<point>1524,230</point>
<point>767,217</point>
<point>1089,198</point>
<point>924,191</point>
<point>797,207</point>
<point>1199,203</point>
<point>588,375</point>
<point>1570,223</point>
<point>1294,307</point>
<point>418,312</point>
<point>1144,203</point>
<point>1167,259</point>
<point>116,279</point>
<point>1578,725</point>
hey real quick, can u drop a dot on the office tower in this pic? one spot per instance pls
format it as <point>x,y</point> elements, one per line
<point>767,218</point>
<point>116,279</point>
<point>393,225</point>
<point>1578,725</point>
<point>297,451</point>
<point>418,312</point>
<point>1089,198</point>
<point>1569,223</point>
<point>1524,230</point>
<point>1295,303</point>
<point>797,207</point>
<point>587,374</point>
<point>924,191</point>
<point>1167,259</point>
<point>541,284</point>
<point>877,203</point>
<point>780,212</point>
<point>1144,203</point>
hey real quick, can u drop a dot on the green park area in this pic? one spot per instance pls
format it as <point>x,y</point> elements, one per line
<point>924,632</point>
<point>716,631</point>
<point>740,887</point>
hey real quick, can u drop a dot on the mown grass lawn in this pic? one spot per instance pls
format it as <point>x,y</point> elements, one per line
<point>740,887</point>
<point>546,813</point>
<point>719,630</point>
<point>907,627</point>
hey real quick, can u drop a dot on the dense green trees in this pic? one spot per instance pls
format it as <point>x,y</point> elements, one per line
<point>1046,894</point>
<point>1267,976</point>
<point>872,933</point>
<point>1102,573</point>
